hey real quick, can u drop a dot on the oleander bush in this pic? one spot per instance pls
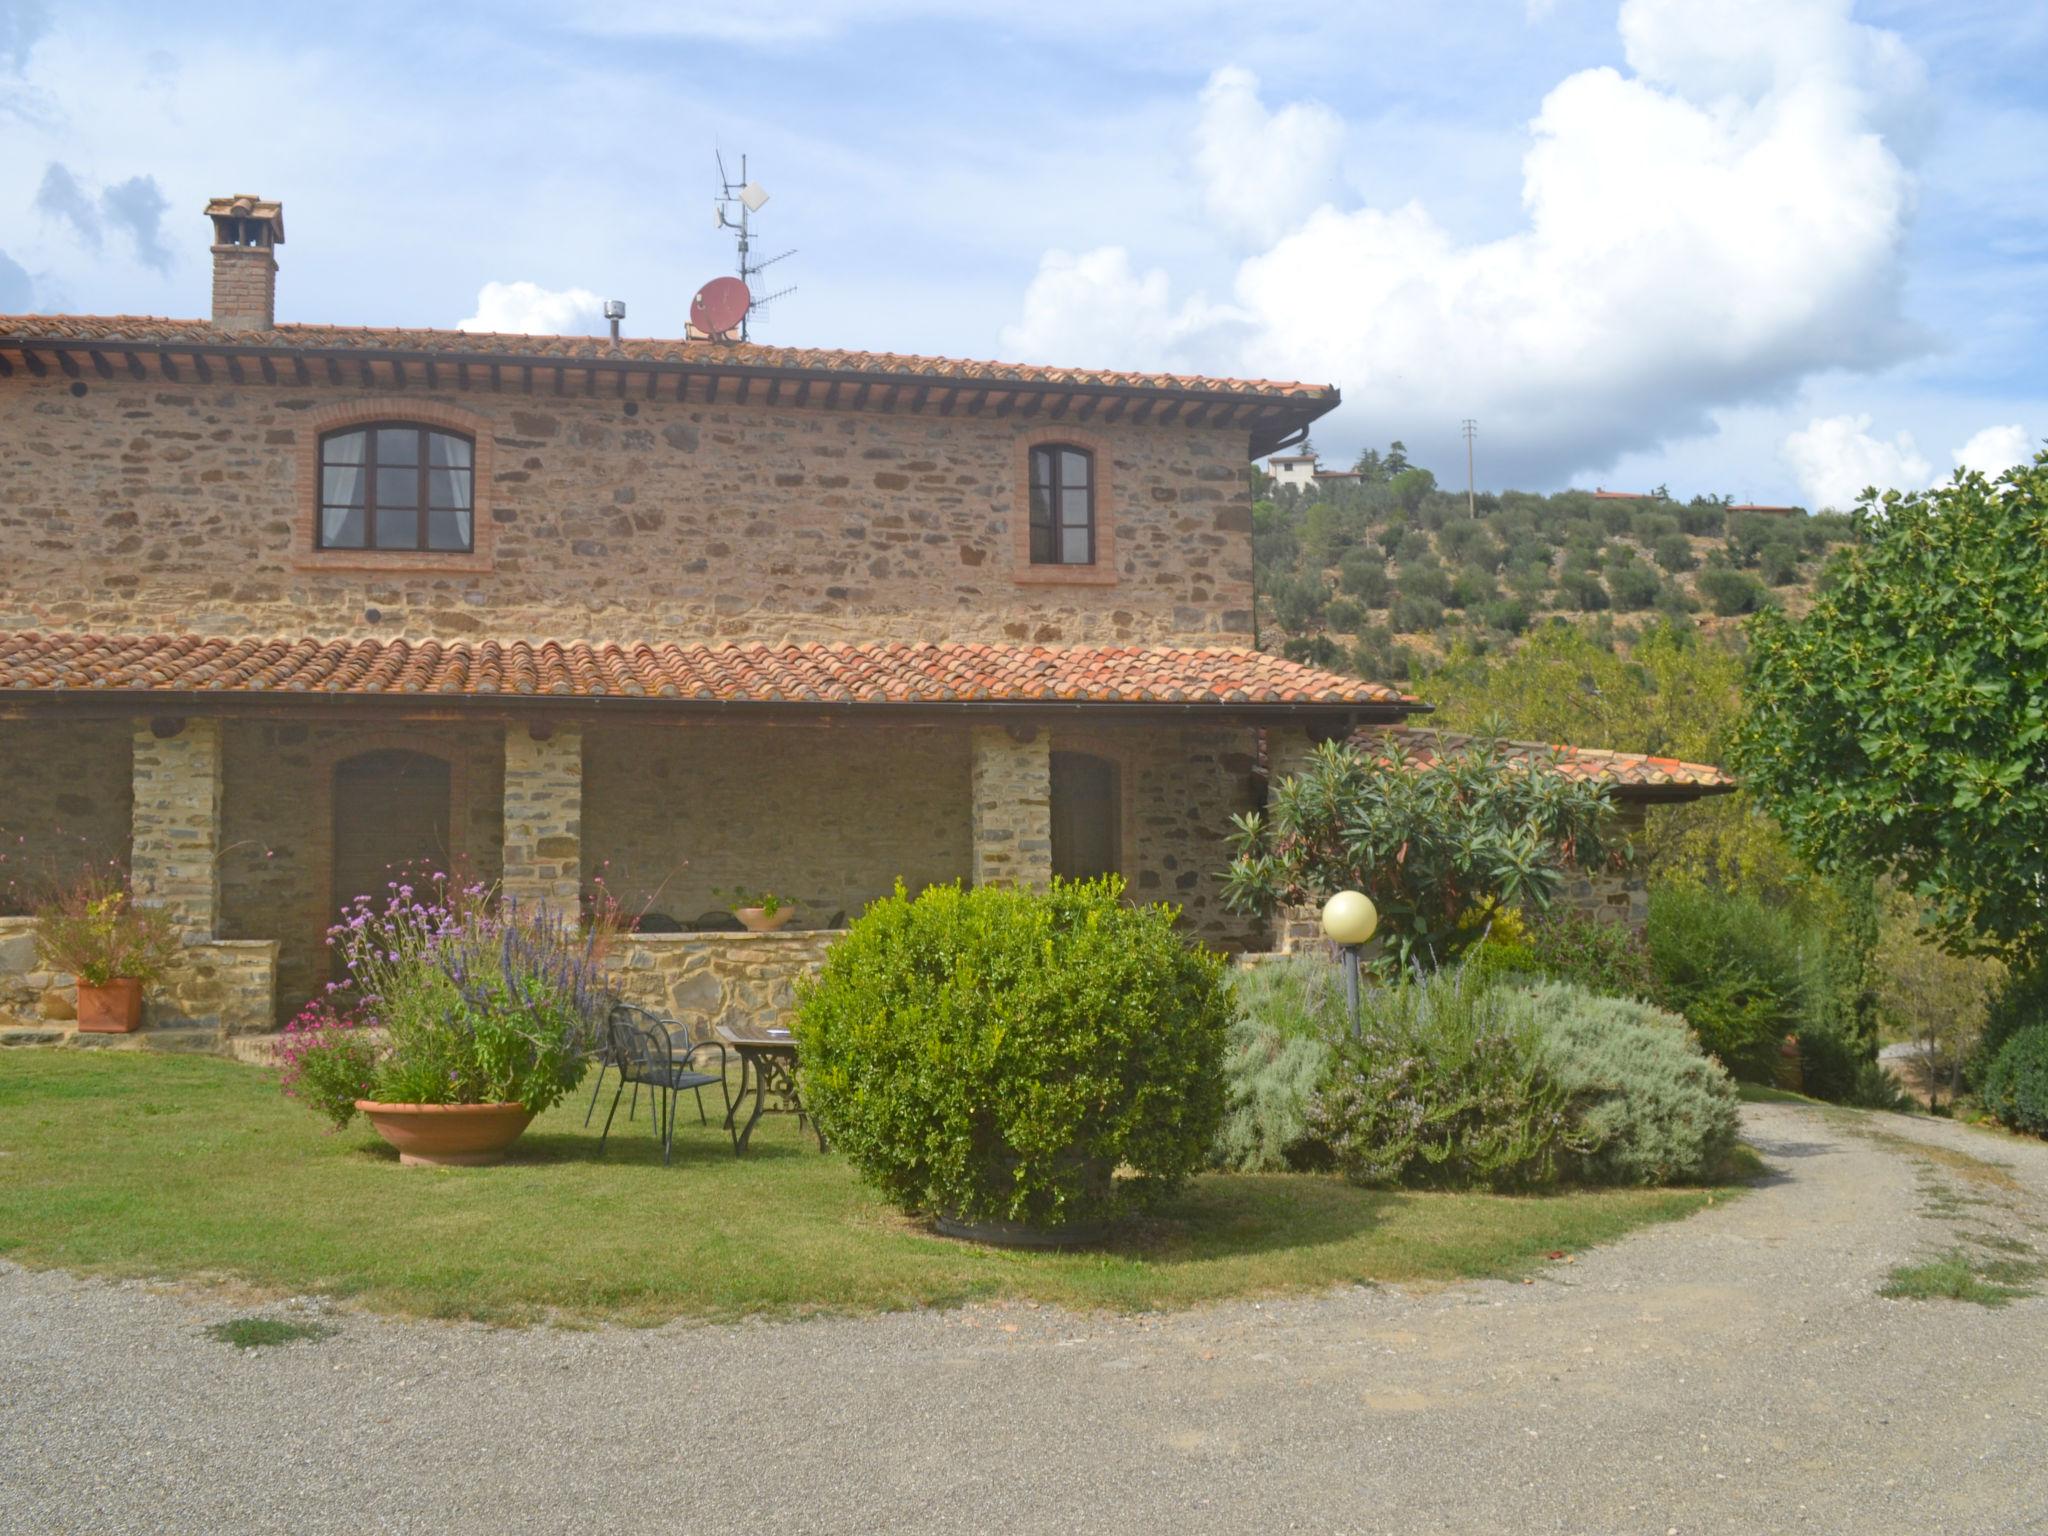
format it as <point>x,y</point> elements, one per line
<point>999,1055</point>
<point>2016,1085</point>
<point>1647,1106</point>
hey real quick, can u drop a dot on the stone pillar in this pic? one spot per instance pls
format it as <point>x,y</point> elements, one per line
<point>175,857</point>
<point>544,817</point>
<point>1012,805</point>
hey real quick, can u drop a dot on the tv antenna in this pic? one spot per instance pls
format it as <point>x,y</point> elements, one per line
<point>734,208</point>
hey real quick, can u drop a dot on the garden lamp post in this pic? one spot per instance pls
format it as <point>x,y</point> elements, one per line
<point>1349,919</point>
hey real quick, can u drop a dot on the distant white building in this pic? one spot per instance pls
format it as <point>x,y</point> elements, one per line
<point>1302,470</point>
<point>1295,469</point>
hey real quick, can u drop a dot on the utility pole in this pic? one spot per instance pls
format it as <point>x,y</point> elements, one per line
<point>1470,427</point>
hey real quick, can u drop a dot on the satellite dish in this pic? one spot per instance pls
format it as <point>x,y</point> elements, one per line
<point>720,306</point>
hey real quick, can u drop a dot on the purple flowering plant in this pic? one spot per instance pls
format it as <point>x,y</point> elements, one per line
<point>451,994</point>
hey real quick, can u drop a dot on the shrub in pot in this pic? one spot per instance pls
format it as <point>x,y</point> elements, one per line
<point>459,1022</point>
<point>996,1056</point>
<point>93,929</point>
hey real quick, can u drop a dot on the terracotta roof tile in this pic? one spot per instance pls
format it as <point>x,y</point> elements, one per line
<point>843,674</point>
<point>1632,774</point>
<point>152,331</point>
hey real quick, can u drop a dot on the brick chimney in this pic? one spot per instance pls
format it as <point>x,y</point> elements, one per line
<point>245,232</point>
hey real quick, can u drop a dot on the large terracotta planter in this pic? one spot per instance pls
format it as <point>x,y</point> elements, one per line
<point>757,920</point>
<point>448,1135</point>
<point>114,1009</point>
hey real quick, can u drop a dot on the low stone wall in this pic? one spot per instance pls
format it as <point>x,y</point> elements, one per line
<point>214,990</point>
<point>719,978</point>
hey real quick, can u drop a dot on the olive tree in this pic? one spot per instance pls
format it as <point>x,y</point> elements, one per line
<point>1901,726</point>
<point>1439,846</point>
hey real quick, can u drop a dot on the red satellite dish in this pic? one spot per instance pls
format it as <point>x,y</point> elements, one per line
<point>720,306</point>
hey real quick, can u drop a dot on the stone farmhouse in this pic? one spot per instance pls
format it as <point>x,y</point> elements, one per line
<point>285,608</point>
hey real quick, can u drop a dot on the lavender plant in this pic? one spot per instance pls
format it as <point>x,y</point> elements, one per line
<point>450,997</point>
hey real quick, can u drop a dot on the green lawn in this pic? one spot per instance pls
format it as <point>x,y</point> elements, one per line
<point>133,1163</point>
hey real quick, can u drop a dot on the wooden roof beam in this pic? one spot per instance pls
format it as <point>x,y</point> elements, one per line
<point>137,371</point>
<point>201,367</point>
<point>68,363</point>
<point>433,375</point>
<point>100,365</point>
<point>235,369</point>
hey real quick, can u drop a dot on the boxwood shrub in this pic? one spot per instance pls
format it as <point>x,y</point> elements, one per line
<point>998,1054</point>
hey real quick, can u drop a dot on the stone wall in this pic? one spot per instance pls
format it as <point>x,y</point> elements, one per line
<point>277,828</point>
<point>65,791</point>
<point>830,817</point>
<point>142,506</point>
<point>1612,897</point>
<point>705,979</point>
<point>212,991</point>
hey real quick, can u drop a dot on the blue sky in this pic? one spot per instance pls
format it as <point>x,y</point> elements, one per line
<point>1778,248</point>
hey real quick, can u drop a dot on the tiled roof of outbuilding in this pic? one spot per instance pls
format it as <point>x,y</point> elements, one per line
<point>1633,775</point>
<point>148,330</point>
<point>886,673</point>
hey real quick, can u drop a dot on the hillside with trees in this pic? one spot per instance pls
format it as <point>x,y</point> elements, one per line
<point>1387,574</point>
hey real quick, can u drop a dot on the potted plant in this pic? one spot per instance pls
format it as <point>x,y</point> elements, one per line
<point>761,912</point>
<point>93,929</point>
<point>458,1023</point>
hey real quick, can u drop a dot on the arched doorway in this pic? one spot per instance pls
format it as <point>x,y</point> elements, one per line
<point>1087,816</point>
<point>391,813</point>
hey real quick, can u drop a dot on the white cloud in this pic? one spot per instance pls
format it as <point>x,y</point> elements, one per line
<point>136,207</point>
<point>528,309</point>
<point>1262,172</point>
<point>1835,459</point>
<point>1995,450</point>
<point>1710,229</point>
<point>1096,307</point>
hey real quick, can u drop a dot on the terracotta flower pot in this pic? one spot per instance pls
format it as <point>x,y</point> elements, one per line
<point>114,1009</point>
<point>448,1135</point>
<point>758,920</point>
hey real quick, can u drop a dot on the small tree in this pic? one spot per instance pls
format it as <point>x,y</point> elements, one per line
<point>1902,724</point>
<point>1439,847</point>
<point>1933,998</point>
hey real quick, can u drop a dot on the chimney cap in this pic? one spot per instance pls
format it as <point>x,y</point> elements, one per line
<point>247,205</point>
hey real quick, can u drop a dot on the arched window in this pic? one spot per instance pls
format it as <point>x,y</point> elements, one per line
<point>1062,505</point>
<point>397,485</point>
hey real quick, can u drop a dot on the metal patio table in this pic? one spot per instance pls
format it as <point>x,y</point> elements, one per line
<point>768,1068</point>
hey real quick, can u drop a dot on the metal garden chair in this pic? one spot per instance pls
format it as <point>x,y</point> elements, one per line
<point>642,1047</point>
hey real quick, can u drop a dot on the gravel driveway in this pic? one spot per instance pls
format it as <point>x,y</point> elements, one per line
<point>1733,1373</point>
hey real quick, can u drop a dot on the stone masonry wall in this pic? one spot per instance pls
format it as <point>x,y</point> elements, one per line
<point>675,814</point>
<point>212,991</point>
<point>141,506</point>
<point>1611,897</point>
<point>1011,789</point>
<point>176,816</point>
<point>65,789</point>
<point>544,818</point>
<point>706,979</point>
<point>277,828</point>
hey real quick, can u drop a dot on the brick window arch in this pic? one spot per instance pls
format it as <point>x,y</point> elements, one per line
<point>382,486</point>
<point>390,485</point>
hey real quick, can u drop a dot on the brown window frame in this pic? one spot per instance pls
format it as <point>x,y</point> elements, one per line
<point>1054,489</point>
<point>421,507</point>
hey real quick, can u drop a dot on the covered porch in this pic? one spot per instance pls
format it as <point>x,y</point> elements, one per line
<point>254,820</point>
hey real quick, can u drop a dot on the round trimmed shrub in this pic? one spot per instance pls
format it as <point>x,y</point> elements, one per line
<point>2016,1086</point>
<point>1649,1108</point>
<point>998,1055</point>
